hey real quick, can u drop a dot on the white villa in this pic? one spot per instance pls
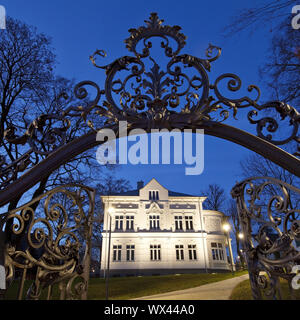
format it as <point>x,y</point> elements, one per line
<point>153,231</point>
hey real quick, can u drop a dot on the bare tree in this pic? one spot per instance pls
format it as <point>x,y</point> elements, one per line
<point>108,186</point>
<point>29,88</point>
<point>256,165</point>
<point>26,69</point>
<point>281,72</point>
<point>112,185</point>
<point>250,19</point>
<point>215,197</point>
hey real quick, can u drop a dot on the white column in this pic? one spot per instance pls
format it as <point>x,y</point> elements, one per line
<point>204,241</point>
<point>230,253</point>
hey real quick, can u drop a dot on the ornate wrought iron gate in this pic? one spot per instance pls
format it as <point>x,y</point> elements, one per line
<point>271,226</point>
<point>49,243</point>
<point>139,92</point>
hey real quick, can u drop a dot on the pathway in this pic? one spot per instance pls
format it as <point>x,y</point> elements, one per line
<point>220,290</point>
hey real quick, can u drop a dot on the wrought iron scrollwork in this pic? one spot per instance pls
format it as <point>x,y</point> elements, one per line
<point>271,227</point>
<point>145,95</point>
<point>43,136</point>
<point>138,90</point>
<point>47,236</point>
<point>155,95</point>
<point>172,97</point>
<point>155,28</point>
<point>284,111</point>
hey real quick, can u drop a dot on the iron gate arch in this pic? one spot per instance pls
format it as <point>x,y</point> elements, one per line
<point>148,98</point>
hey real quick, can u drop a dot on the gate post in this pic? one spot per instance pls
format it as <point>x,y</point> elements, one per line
<point>88,248</point>
<point>247,245</point>
<point>156,101</point>
<point>51,243</point>
<point>2,262</point>
<point>270,225</point>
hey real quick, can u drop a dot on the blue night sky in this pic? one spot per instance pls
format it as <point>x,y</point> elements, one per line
<point>78,28</point>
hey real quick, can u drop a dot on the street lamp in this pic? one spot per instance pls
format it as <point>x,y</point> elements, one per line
<point>226,228</point>
<point>240,235</point>
<point>110,212</point>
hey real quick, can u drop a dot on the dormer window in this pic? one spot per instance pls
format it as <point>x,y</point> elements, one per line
<point>153,195</point>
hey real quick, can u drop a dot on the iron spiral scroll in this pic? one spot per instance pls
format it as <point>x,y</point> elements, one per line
<point>47,243</point>
<point>173,97</point>
<point>140,91</point>
<point>149,97</point>
<point>269,217</point>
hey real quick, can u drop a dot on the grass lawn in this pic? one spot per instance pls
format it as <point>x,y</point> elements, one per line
<point>243,291</point>
<point>125,288</point>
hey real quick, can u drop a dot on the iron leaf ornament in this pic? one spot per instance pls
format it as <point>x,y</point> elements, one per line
<point>138,90</point>
<point>154,28</point>
<point>48,239</point>
<point>157,99</point>
<point>147,95</point>
<point>270,223</point>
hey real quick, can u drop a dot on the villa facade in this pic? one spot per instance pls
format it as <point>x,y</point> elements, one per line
<point>153,231</point>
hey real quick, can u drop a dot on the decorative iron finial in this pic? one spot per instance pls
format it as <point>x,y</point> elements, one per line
<point>155,29</point>
<point>146,95</point>
<point>180,93</point>
<point>155,95</point>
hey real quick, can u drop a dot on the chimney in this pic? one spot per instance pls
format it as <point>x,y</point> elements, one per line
<point>140,184</point>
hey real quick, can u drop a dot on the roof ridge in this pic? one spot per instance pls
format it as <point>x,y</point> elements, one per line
<point>135,192</point>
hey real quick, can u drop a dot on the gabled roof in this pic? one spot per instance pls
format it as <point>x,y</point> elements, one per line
<point>126,193</point>
<point>153,179</point>
<point>136,192</point>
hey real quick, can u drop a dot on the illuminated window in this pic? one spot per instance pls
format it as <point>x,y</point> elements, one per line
<point>155,252</point>
<point>217,251</point>
<point>119,223</point>
<point>189,223</point>
<point>130,252</point>
<point>153,195</point>
<point>129,222</point>
<point>178,223</point>
<point>117,253</point>
<point>192,252</point>
<point>179,252</point>
<point>154,222</point>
